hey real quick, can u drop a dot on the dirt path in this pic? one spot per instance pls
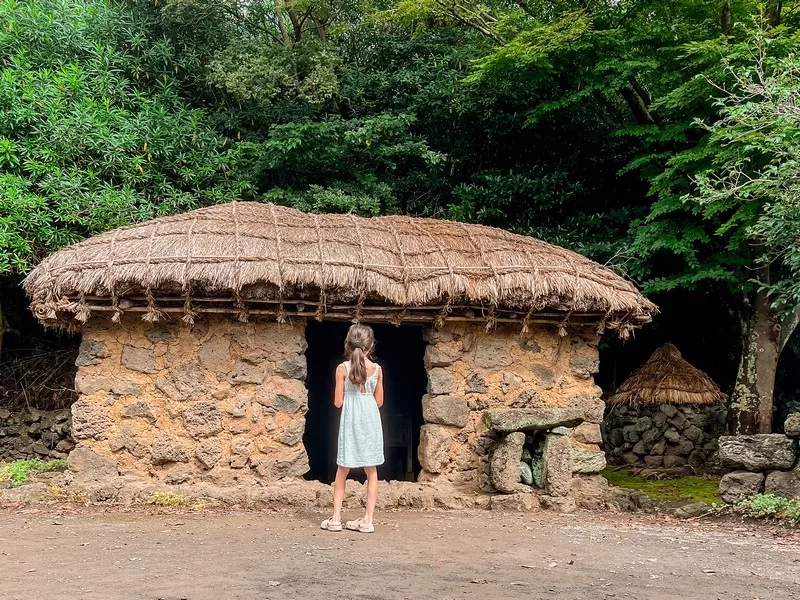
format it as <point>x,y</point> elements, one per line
<point>93,554</point>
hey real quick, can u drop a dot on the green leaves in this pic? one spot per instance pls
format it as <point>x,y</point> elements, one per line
<point>93,132</point>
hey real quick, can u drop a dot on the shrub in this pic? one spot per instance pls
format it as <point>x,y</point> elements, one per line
<point>18,471</point>
<point>770,506</point>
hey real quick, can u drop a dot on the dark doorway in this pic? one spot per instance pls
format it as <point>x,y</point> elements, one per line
<point>400,352</point>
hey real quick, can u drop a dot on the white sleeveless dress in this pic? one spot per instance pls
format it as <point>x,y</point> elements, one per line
<point>360,430</point>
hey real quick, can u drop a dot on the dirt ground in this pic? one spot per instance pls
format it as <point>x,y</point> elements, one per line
<point>120,554</point>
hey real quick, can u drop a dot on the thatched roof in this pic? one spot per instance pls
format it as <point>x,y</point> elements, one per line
<point>254,252</point>
<point>667,379</point>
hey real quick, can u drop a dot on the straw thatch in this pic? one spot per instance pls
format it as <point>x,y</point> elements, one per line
<point>253,252</point>
<point>667,378</point>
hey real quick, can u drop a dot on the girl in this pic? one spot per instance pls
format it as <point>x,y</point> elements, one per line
<point>359,393</point>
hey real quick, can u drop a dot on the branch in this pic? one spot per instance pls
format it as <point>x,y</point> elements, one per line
<point>478,20</point>
<point>637,105</point>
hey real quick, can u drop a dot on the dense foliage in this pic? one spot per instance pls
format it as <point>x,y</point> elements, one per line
<point>640,133</point>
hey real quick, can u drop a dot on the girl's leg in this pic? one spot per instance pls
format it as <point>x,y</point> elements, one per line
<point>338,492</point>
<point>372,493</point>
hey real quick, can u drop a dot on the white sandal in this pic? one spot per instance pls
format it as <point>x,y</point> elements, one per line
<point>357,525</point>
<point>331,525</point>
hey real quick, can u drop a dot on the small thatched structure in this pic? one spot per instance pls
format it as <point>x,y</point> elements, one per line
<point>667,414</point>
<point>486,319</point>
<point>260,257</point>
<point>667,378</point>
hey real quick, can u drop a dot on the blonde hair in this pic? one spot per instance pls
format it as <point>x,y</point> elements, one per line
<point>358,345</point>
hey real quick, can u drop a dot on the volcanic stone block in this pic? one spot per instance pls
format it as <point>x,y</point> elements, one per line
<point>654,461</point>
<point>294,432</point>
<point>91,352</point>
<point>791,426</point>
<point>679,421</point>
<point>244,372</point>
<point>630,434</point>
<point>531,419</point>
<point>138,359</point>
<point>445,410</point>
<point>674,461</point>
<point>139,409</point>
<point>504,462</point>
<point>440,381</point>
<point>760,452</point>
<point>784,483</point>
<point>90,418</point>
<point>167,448</point>
<point>694,434</point>
<point>283,395</point>
<point>738,485</point>
<point>241,449</point>
<point>183,382</point>
<point>682,448</point>
<point>476,384</point>
<point>544,376</point>
<point>209,452</point>
<point>518,502</point>
<point>84,460</point>
<point>587,461</point>
<point>492,352</point>
<point>587,433</point>
<point>590,491</point>
<point>557,458</point>
<point>202,418</point>
<point>439,356</point>
<point>434,447</point>
<point>584,366</point>
<point>668,410</point>
<point>295,367</point>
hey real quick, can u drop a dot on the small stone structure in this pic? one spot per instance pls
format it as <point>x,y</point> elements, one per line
<point>664,436</point>
<point>512,326</point>
<point>764,463</point>
<point>667,414</point>
<point>35,434</point>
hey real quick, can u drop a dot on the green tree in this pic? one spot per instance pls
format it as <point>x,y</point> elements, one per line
<point>93,131</point>
<point>752,190</point>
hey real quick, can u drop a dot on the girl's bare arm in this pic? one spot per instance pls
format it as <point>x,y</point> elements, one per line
<point>338,393</point>
<point>379,389</point>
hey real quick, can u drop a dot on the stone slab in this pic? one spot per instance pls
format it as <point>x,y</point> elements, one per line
<point>761,452</point>
<point>531,419</point>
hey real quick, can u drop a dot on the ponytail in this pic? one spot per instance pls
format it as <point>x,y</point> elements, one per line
<point>357,347</point>
<point>358,367</point>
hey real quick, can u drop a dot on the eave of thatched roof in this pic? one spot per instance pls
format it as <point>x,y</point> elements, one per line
<point>248,252</point>
<point>667,378</point>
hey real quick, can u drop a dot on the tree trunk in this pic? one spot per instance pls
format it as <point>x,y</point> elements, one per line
<point>281,23</point>
<point>637,105</point>
<point>772,13</point>
<point>752,401</point>
<point>726,17</point>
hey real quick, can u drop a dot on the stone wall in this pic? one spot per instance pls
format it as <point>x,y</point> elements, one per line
<point>764,463</point>
<point>222,403</point>
<point>664,436</point>
<point>34,434</point>
<point>471,372</point>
